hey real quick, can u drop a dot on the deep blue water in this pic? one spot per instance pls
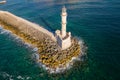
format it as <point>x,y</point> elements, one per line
<point>97,22</point>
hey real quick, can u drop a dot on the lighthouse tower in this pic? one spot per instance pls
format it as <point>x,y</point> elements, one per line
<point>64,21</point>
<point>63,38</point>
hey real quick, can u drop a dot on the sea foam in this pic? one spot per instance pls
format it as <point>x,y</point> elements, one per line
<point>69,64</point>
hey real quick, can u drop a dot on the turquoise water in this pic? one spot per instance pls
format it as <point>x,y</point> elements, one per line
<point>97,22</point>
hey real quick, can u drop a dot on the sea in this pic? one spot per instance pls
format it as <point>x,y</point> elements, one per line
<point>95,22</point>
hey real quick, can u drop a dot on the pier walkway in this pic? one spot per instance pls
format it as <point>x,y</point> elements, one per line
<point>25,25</point>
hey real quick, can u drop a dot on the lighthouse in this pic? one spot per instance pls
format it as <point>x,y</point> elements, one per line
<point>62,37</point>
<point>64,21</point>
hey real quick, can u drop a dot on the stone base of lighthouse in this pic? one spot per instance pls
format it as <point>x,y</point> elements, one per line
<point>63,42</point>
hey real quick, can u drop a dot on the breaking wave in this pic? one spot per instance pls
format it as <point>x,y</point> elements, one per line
<point>18,40</point>
<point>15,38</point>
<point>7,76</point>
<point>2,31</point>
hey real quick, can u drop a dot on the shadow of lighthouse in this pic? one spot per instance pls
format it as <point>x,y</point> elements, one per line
<point>47,25</point>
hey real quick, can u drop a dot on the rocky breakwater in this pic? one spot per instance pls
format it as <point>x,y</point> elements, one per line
<point>51,57</point>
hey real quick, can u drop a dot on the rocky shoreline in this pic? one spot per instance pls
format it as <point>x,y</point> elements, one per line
<point>50,54</point>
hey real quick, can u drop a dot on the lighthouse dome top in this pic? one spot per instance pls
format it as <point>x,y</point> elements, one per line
<point>64,9</point>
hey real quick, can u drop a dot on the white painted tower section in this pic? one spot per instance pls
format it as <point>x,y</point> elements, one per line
<point>64,21</point>
<point>63,38</point>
